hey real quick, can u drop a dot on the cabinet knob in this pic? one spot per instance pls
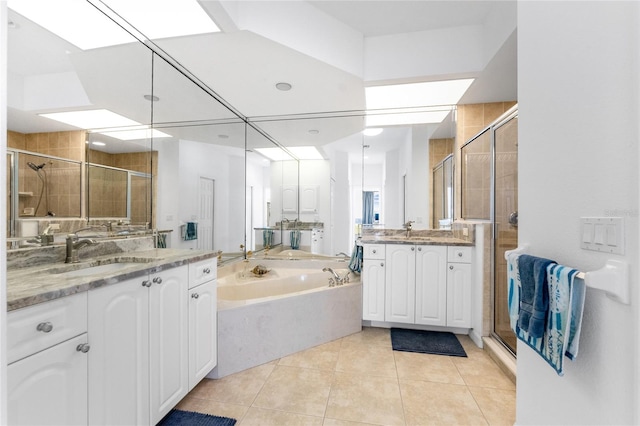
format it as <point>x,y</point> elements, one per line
<point>146,283</point>
<point>195,295</point>
<point>451,267</point>
<point>157,280</point>
<point>206,270</point>
<point>419,248</point>
<point>45,327</point>
<point>83,347</point>
<point>459,254</point>
<point>382,264</point>
<point>374,251</point>
<point>413,249</point>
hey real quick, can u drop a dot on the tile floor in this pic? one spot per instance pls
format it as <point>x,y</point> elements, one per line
<point>360,380</point>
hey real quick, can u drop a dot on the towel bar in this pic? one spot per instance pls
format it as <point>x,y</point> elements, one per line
<point>612,278</point>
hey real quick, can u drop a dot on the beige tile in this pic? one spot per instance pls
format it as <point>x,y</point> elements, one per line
<point>240,388</point>
<point>468,345</point>
<point>427,403</point>
<point>358,398</point>
<point>370,336</point>
<point>297,390</point>
<point>360,358</point>
<point>432,368</point>
<point>263,417</point>
<point>334,422</point>
<point>322,357</point>
<point>480,370</point>
<point>497,405</point>
<point>214,408</point>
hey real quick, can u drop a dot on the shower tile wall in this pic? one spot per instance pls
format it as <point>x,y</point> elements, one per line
<point>472,119</point>
<point>63,177</point>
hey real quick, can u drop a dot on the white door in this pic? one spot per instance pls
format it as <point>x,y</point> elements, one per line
<point>205,218</point>
<point>431,285</point>
<point>168,340</point>
<point>119,355</point>
<point>373,276</point>
<point>49,387</point>
<point>400,281</point>
<point>203,352</point>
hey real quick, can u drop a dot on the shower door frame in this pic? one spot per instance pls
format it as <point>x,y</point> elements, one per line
<point>504,119</point>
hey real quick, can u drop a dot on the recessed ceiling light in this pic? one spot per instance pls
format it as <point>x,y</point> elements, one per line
<point>372,131</point>
<point>283,86</point>
<point>151,98</point>
<point>314,131</point>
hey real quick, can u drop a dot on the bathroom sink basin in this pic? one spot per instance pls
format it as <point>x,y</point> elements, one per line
<point>87,269</point>
<point>99,269</point>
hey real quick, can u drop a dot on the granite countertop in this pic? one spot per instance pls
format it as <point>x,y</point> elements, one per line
<point>37,284</point>
<point>394,239</point>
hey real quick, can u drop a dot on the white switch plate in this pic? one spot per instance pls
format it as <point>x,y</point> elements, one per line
<point>604,234</point>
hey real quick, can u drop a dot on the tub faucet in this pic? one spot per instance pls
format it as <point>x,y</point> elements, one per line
<point>336,278</point>
<point>73,245</point>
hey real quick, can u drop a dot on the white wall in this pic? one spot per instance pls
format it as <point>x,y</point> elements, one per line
<point>340,230</point>
<point>578,78</point>
<point>3,209</point>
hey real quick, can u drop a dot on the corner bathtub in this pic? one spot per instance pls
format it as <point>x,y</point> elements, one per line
<point>292,308</point>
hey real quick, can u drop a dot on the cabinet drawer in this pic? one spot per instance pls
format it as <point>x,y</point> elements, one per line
<point>202,271</point>
<point>459,254</point>
<point>64,318</point>
<point>373,251</point>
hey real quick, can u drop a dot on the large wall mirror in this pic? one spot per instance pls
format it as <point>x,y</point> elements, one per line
<point>185,156</point>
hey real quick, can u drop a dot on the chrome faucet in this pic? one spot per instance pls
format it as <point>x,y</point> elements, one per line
<point>74,245</point>
<point>407,226</point>
<point>336,280</point>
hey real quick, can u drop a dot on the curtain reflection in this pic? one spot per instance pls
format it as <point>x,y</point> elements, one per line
<point>367,207</point>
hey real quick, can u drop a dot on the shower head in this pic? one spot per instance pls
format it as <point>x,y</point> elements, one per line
<point>34,167</point>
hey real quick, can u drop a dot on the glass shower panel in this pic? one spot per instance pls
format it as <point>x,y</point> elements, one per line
<point>476,177</point>
<point>506,223</point>
<point>438,196</point>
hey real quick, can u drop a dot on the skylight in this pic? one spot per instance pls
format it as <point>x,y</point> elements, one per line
<point>81,24</point>
<point>115,125</point>
<point>432,93</point>
<point>301,153</point>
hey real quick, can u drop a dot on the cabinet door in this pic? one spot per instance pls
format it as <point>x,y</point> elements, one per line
<point>400,280</point>
<point>49,387</point>
<point>431,285</point>
<point>203,352</point>
<point>459,295</point>
<point>168,340</point>
<point>119,355</point>
<point>373,277</point>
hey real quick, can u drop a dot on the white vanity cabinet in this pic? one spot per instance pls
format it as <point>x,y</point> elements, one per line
<point>431,285</point>
<point>400,281</point>
<point>373,282</point>
<point>202,300</point>
<point>459,291</point>
<point>417,284</point>
<point>47,355</point>
<point>138,366</point>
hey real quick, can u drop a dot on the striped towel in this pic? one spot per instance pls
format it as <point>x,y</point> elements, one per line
<point>564,317</point>
<point>267,238</point>
<point>294,237</point>
<point>355,264</point>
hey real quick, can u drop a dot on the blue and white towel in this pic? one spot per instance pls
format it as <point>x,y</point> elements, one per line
<point>294,238</point>
<point>564,317</point>
<point>267,237</point>
<point>355,264</point>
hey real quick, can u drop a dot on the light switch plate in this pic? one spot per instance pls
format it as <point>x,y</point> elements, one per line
<point>604,234</point>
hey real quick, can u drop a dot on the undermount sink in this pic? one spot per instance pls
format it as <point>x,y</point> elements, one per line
<point>107,268</point>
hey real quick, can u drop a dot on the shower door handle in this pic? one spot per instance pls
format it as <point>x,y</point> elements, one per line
<point>513,219</point>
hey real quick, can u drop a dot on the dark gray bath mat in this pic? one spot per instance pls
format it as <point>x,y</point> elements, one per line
<point>426,342</point>
<point>190,418</point>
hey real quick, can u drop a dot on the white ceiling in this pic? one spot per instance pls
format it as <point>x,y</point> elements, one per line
<point>242,67</point>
